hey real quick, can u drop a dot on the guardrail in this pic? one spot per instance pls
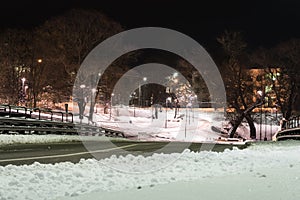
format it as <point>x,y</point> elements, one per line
<point>21,111</point>
<point>290,130</point>
<point>30,126</point>
<point>22,120</point>
<point>14,111</point>
<point>293,122</point>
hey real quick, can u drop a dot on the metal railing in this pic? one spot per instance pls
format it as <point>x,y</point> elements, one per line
<point>293,122</point>
<point>47,114</point>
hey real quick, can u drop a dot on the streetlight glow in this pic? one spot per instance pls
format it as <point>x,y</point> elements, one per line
<point>260,93</point>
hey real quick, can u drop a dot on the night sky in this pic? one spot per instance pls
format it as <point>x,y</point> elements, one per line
<point>263,23</point>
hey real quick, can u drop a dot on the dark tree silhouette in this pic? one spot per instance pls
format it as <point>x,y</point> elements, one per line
<point>234,72</point>
<point>282,63</point>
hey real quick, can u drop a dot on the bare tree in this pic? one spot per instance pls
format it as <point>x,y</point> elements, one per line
<point>282,66</point>
<point>195,84</point>
<point>15,56</point>
<point>239,94</point>
<point>69,38</point>
<point>74,34</point>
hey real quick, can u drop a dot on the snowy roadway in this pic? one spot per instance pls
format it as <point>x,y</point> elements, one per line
<point>19,154</point>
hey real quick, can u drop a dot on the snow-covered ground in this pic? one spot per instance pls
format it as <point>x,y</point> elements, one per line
<point>194,126</point>
<point>190,125</point>
<point>262,171</point>
<point>265,170</point>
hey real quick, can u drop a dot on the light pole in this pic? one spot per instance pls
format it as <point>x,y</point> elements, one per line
<point>81,103</point>
<point>25,94</point>
<point>140,91</point>
<point>111,100</point>
<point>23,82</point>
<point>168,100</point>
<point>23,90</point>
<point>133,102</point>
<point>93,104</point>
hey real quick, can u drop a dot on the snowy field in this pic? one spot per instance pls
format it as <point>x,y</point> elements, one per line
<point>190,125</point>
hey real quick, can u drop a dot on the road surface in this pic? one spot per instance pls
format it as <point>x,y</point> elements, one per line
<point>74,151</point>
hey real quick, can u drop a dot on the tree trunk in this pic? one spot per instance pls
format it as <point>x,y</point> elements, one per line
<point>244,114</point>
<point>34,99</point>
<point>91,111</point>
<point>252,126</point>
<point>236,124</point>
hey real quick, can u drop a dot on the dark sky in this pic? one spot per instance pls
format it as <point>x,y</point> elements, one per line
<point>263,23</point>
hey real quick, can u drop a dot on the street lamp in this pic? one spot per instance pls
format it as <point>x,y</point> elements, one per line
<point>23,90</point>
<point>111,99</point>
<point>23,81</point>
<point>175,74</point>
<point>168,100</point>
<point>25,94</point>
<point>93,102</point>
<point>133,102</point>
<point>81,103</point>
<point>140,91</point>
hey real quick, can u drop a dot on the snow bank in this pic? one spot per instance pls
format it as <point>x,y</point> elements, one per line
<point>30,139</point>
<point>263,170</point>
<point>43,139</point>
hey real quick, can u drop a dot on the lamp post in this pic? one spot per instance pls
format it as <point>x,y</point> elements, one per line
<point>133,102</point>
<point>140,92</point>
<point>168,100</point>
<point>25,94</point>
<point>111,101</point>
<point>23,90</point>
<point>93,104</point>
<point>81,103</point>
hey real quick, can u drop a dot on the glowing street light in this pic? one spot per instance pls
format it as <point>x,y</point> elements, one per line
<point>260,93</point>
<point>140,91</point>
<point>168,101</point>
<point>23,90</point>
<point>94,90</point>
